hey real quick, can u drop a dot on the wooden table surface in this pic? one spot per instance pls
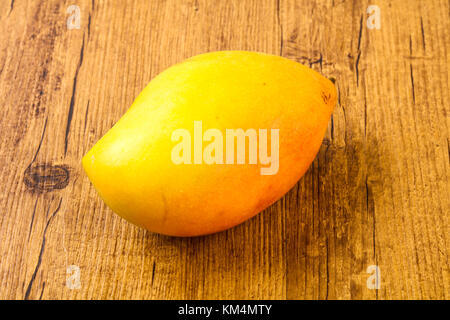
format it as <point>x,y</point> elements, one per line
<point>376,195</point>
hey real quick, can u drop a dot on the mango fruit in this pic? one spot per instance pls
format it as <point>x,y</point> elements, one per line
<point>212,141</point>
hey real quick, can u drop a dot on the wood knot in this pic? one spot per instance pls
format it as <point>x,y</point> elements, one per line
<point>46,177</point>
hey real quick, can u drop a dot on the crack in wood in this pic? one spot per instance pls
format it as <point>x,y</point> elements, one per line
<point>359,50</point>
<point>357,68</point>
<point>412,83</point>
<point>11,7</point>
<point>72,99</point>
<point>153,271</point>
<point>32,218</point>
<point>41,252</point>
<point>319,61</point>
<point>332,127</point>
<point>86,115</point>
<point>280,25</point>
<point>423,33</point>
<point>40,143</point>
<point>360,32</point>
<point>89,26</point>
<point>42,291</point>
<point>365,113</point>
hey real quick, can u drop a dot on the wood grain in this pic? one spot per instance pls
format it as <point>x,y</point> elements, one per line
<point>377,193</point>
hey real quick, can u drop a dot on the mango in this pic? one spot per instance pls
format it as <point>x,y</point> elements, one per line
<point>212,141</point>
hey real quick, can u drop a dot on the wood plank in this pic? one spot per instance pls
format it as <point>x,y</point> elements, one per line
<point>377,193</point>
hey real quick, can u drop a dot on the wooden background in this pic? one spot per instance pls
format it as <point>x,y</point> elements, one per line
<point>377,193</point>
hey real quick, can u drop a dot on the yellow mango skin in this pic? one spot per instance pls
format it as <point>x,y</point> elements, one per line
<point>131,165</point>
